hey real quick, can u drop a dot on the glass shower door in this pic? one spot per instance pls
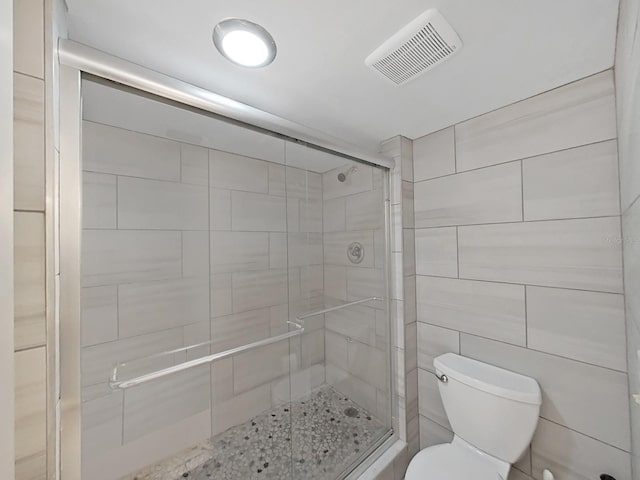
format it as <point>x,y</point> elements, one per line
<point>340,366</point>
<point>237,282</point>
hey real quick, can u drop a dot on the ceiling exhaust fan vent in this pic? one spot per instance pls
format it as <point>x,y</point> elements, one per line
<point>418,47</point>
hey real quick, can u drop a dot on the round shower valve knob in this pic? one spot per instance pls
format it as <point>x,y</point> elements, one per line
<point>547,475</point>
<point>355,252</point>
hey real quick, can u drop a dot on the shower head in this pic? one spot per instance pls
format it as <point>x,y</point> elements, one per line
<point>342,176</point>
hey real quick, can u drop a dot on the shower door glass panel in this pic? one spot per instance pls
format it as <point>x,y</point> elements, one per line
<point>340,384</point>
<point>206,241</point>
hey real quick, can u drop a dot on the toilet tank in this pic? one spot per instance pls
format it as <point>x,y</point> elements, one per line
<point>493,409</point>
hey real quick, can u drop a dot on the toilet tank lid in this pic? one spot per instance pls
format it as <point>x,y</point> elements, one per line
<point>489,378</point>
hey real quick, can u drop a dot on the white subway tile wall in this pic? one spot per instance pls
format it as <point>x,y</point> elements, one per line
<point>520,265</point>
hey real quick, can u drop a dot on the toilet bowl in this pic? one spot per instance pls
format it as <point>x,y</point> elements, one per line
<point>493,413</point>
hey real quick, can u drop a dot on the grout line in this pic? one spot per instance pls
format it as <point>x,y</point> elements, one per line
<point>511,222</point>
<point>457,255</point>
<point>455,152</point>
<point>522,189</point>
<point>536,95</point>
<point>584,434</point>
<point>526,325</point>
<point>630,205</point>
<point>522,284</point>
<point>26,210</point>
<point>29,348</point>
<point>516,160</point>
<point>541,352</point>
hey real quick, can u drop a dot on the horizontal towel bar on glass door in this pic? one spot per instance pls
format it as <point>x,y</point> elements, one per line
<point>115,384</point>
<point>337,307</point>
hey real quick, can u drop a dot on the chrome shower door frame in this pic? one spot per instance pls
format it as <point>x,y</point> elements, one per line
<point>77,60</point>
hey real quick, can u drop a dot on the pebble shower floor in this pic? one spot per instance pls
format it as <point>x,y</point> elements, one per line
<point>315,438</point>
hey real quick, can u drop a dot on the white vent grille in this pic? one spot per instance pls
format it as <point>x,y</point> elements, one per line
<point>421,45</point>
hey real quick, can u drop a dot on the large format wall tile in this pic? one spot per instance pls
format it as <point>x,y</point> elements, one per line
<point>28,141</point>
<point>631,239</point>
<point>572,456</point>
<point>367,363</point>
<point>121,256</point>
<point>150,407</point>
<point>303,249</point>
<point>29,279</point>
<point>233,411</point>
<point>364,211</point>
<point>434,155</point>
<point>219,209</point>
<point>493,310</point>
<point>435,341</point>
<point>239,251</point>
<point>240,328</point>
<point>359,180</point>
<point>28,37</point>
<point>99,202</point>
<point>488,195</point>
<point>98,360</point>
<point>258,289</point>
<point>122,152</point>
<point>357,322</point>
<point>431,433</point>
<point>310,211</point>
<point>221,295</point>
<point>579,182</point>
<point>589,399</point>
<point>99,315</point>
<point>334,215</point>
<point>102,424</point>
<point>351,386</point>
<point>303,184</point>
<point>335,247</point>
<point>155,205</point>
<point>256,212</point>
<point>583,254</point>
<point>194,165</point>
<point>235,172</point>
<point>429,399</point>
<point>437,251</point>
<point>31,414</point>
<point>576,114</point>
<point>585,326</point>
<point>260,366</point>
<point>153,306</point>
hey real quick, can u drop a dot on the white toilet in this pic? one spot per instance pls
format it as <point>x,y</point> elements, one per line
<point>493,413</point>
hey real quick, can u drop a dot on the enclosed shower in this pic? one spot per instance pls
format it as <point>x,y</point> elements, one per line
<point>234,298</point>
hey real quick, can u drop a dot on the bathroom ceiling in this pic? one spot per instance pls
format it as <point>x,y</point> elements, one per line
<point>512,49</point>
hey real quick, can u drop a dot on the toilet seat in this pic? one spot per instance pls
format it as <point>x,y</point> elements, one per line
<point>451,461</point>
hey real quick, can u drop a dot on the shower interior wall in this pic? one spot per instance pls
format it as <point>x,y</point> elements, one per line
<point>183,244</point>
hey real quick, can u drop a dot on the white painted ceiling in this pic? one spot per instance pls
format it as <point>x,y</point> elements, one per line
<point>512,49</point>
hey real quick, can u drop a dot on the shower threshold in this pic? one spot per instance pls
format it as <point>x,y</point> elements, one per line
<point>315,438</point>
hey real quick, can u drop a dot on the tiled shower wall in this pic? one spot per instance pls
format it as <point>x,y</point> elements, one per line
<point>519,264</point>
<point>628,96</point>
<point>182,244</point>
<point>29,232</point>
<point>356,337</point>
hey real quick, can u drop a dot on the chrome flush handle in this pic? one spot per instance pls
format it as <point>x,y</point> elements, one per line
<point>443,378</point>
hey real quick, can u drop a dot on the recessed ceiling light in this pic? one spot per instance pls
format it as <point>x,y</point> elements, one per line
<point>244,42</point>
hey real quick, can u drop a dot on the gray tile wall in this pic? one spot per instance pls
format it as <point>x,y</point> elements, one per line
<point>628,96</point>
<point>182,244</point>
<point>519,264</point>
<point>356,337</point>
<point>30,279</point>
